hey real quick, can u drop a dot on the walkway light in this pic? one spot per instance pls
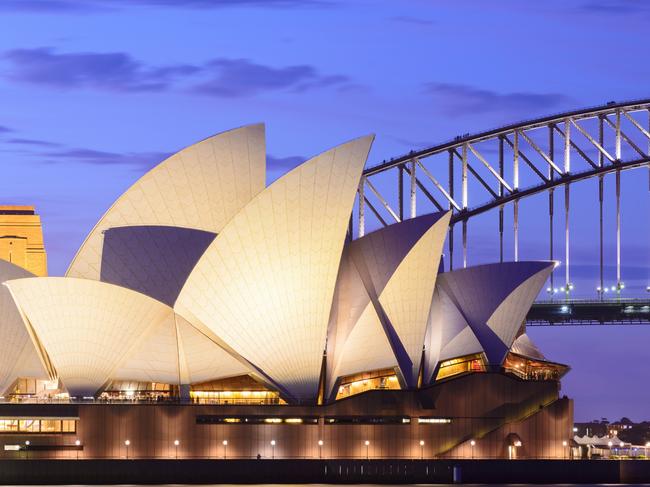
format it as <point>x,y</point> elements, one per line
<point>320,448</point>
<point>225,448</point>
<point>127,443</point>
<point>367,443</point>
<point>77,443</point>
<point>273,449</point>
<point>176,443</point>
<point>472,443</point>
<point>421,449</point>
<point>27,449</point>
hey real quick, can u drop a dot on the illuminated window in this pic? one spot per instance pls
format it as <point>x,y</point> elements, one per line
<point>366,381</point>
<point>367,420</point>
<point>235,390</point>
<point>29,425</point>
<point>38,426</point>
<point>461,365</point>
<point>434,420</point>
<point>529,369</point>
<point>8,425</point>
<point>215,419</point>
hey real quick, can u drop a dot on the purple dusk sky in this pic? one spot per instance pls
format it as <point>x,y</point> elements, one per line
<point>95,92</point>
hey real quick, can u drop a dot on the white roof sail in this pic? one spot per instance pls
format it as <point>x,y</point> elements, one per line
<point>19,357</point>
<point>202,360</point>
<point>265,284</point>
<point>446,324</point>
<point>523,345</point>
<point>493,299</point>
<point>201,187</point>
<point>394,269</point>
<point>174,352</point>
<point>406,298</point>
<point>87,327</point>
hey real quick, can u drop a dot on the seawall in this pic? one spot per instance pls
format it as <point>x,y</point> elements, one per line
<point>50,472</point>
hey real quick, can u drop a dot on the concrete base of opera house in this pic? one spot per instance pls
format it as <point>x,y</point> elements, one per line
<point>478,415</point>
<point>51,472</point>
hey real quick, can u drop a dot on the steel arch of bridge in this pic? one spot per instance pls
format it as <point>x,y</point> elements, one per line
<point>577,145</point>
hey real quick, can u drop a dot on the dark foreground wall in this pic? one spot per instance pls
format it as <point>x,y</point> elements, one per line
<point>320,471</point>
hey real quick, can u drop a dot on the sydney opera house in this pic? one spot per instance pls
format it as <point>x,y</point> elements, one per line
<point>207,315</point>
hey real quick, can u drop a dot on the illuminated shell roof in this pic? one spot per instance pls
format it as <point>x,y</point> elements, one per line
<point>201,187</point>
<point>485,304</point>
<point>383,297</point>
<point>265,285</point>
<point>92,332</point>
<point>18,355</point>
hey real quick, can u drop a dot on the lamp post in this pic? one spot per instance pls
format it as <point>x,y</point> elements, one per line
<point>564,448</point>
<point>320,448</point>
<point>472,444</point>
<point>127,443</point>
<point>273,449</point>
<point>225,449</point>
<point>27,449</point>
<point>367,443</point>
<point>421,449</point>
<point>77,443</point>
<point>176,443</point>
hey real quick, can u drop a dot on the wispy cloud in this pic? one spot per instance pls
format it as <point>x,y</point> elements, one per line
<point>96,157</point>
<point>403,19</point>
<point>33,142</point>
<point>459,99</point>
<point>120,72</point>
<point>283,163</point>
<point>243,77</point>
<point>5,130</point>
<point>616,7</point>
<point>115,71</point>
<point>90,6</point>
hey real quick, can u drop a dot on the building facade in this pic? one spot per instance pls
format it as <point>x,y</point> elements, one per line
<point>204,307</point>
<point>21,239</point>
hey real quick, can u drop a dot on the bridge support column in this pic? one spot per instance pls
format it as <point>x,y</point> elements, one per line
<point>601,187</point>
<point>618,231</point>
<point>551,175</point>
<point>362,207</point>
<point>515,223</point>
<point>464,243</point>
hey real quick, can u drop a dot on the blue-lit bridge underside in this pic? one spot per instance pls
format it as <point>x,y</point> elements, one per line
<point>571,313</point>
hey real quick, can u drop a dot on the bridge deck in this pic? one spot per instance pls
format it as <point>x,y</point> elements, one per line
<point>611,312</point>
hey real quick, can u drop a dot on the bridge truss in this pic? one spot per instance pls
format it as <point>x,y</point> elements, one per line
<point>501,167</point>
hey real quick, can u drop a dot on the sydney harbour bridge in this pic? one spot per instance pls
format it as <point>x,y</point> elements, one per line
<point>497,169</point>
